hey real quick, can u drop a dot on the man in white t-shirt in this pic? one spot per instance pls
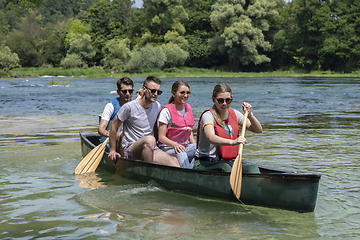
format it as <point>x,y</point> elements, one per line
<point>138,118</point>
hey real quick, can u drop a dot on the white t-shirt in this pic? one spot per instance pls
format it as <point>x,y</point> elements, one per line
<point>108,111</point>
<point>205,148</point>
<point>137,121</point>
<point>165,116</point>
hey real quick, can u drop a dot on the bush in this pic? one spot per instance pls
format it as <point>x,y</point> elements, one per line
<point>175,56</point>
<point>117,54</point>
<point>81,45</point>
<point>147,58</point>
<point>72,60</point>
<point>8,59</point>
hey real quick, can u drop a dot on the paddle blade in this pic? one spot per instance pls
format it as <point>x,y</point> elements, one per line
<point>236,170</point>
<point>92,159</point>
<point>236,176</point>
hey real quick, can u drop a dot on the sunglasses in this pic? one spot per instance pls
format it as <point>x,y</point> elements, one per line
<point>222,100</point>
<point>153,91</point>
<point>183,93</point>
<point>127,90</point>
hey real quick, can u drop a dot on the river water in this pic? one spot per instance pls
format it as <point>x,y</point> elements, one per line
<point>310,124</point>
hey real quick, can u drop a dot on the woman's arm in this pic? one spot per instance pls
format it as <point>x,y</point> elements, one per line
<point>165,140</point>
<point>253,124</point>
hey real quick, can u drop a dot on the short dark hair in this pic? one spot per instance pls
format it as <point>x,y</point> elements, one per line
<point>152,79</point>
<point>124,80</point>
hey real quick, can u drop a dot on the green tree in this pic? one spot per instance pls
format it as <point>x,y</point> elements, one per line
<point>10,16</point>
<point>116,53</point>
<point>80,44</point>
<point>199,32</point>
<point>73,60</point>
<point>76,27</point>
<point>175,56</point>
<point>27,41</point>
<point>53,48</point>
<point>8,59</point>
<point>147,58</point>
<point>240,25</point>
<point>54,11</point>
<point>341,48</point>
<point>164,18</point>
<point>308,36</point>
<point>109,20</point>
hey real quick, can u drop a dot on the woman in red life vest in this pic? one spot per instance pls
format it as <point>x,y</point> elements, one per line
<point>218,131</point>
<point>176,121</point>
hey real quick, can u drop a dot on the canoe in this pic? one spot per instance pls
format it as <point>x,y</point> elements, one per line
<point>270,187</point>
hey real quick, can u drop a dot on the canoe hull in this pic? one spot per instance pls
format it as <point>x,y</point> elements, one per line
<point>271,187</point>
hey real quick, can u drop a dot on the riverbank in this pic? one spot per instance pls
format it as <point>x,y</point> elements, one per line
<point>172,73</point>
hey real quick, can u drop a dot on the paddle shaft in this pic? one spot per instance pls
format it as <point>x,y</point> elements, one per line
<point>236,171</point>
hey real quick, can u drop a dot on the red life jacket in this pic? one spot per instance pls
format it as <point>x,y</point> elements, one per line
<point>181,127</point>
<point>226,152</point>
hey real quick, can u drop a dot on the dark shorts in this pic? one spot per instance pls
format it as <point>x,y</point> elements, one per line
<point>215,164</point>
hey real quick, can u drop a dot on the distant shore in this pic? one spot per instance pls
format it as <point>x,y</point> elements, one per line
<point>172,73</point>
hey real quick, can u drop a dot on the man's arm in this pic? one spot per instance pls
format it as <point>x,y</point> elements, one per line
<point>113,136</point>
<point>102,128</point>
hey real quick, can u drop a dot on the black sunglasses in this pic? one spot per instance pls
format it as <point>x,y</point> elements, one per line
<point>222,100</point>
<point>127,90</point>
<point>153,91</point>
<point>183,92</point>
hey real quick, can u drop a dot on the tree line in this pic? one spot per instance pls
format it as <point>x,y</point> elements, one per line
<point>228,35</point>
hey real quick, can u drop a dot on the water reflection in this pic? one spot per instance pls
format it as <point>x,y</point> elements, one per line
<point>90,180</point>
<point>147,211</point>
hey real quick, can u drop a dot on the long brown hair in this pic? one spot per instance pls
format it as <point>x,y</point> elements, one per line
<point>219,88</point>
<point>176,85</point>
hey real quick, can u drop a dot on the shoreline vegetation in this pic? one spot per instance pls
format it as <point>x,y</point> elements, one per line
<point>169,73</point>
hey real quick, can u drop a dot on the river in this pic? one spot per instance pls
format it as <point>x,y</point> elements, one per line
<point>310,124</point>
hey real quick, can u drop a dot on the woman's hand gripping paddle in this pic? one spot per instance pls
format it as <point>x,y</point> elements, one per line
<point>236,171</point>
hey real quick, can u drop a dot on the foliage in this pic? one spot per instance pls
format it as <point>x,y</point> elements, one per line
<point>8,59</point>
<point>199,32</point>
<point>175,56</point>
<point>341,48</point>
<point>116,54</point>
<point>219,34</point>
<point>72,60</point>
<point>80,44</point>
<point>76,27</point>
<point>162,16</point>
<point>240,26</point>
<point>146,58</point>
<point>27,41</point>
<point>175,38</point>
<point>108,20</point>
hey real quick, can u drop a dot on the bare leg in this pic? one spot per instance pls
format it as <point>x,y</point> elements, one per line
<point>143,149</point>
<point>164,158</point>
<point>118,144</point>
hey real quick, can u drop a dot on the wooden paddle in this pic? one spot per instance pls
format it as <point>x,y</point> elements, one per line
<point>236,171</point>
<point>92,160</point>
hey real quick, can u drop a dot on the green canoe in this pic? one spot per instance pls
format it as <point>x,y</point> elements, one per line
<point>270,187</point>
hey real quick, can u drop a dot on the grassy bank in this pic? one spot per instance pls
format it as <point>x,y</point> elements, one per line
<point>174,73</point>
